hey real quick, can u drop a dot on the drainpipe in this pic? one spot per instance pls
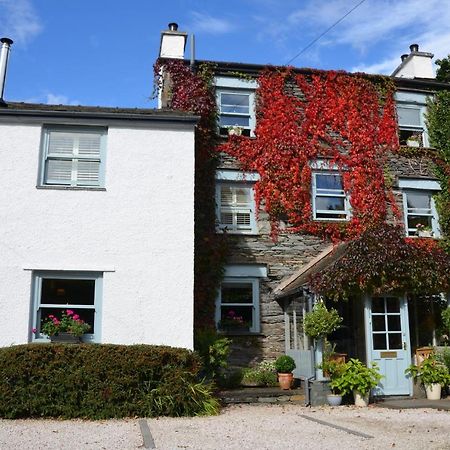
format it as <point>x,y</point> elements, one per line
<point>6,46</point>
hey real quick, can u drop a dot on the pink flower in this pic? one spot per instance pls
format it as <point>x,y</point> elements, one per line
<point>51,316</point>
<point>75,317</point>
<point>33,330</point>
<point>56,321</point>
<point>69,312</point>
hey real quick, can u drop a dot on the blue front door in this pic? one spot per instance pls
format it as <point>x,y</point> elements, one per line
<point>387,342</point>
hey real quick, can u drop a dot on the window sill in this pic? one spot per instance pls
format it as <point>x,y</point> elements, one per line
<point>238,233</point>
<point>71,188</point>
<point>240,333</point>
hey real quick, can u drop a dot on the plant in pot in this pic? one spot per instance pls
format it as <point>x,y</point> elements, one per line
<point>284,365</point>
<point>424,230</point>
<point>356,377</point>
<point>67,329</point>
<point>414,140</point>
<point>433,374</point>
<point>334,370</point>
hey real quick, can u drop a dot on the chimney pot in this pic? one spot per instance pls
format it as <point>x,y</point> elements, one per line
<point>414,47</point>
<point>4,54</point>
<point>403,57</point>
<point>173,26</point>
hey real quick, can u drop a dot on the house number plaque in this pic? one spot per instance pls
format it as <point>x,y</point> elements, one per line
<point>388,354</point>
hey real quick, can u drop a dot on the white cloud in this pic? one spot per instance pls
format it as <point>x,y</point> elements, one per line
<point>56,99</point>
<point>19,20</point>
<point>205,23</point>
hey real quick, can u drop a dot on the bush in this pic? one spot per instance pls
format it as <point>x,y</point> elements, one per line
<point>264,374</point>
<point>321,322</point>
<point>284,364</point>
<point>213,350</point>
<point>101,381</point>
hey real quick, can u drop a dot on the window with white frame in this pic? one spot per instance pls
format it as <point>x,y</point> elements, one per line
<point>421,217</point>
<point>55,292</point>
<point>73,156</point>
<point>236,207</point>
<point>411,125</point>
<point>237,306</point>
<point>330,201</point>
<point>236,109</point>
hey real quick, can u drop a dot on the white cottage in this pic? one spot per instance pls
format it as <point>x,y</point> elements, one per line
<point>97,216</point>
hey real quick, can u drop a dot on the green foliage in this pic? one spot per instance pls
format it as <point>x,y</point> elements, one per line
<point>430,371</point>
<point>264,374</point>
<point>443,357</point>
<point>284,364</point>
<point>213,350</point>
<point>354,375</point>
<point>446,319</point>
<point>321,322</point>
<point>95,381</point>
<point>438,125</point>
<point>443,71</point>
<point>383,261</point>
<point>69,323</point>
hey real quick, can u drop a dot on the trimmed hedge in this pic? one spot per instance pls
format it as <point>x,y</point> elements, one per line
<point>101,381</point>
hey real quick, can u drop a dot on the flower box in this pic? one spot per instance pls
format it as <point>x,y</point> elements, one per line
<point>65,338</point>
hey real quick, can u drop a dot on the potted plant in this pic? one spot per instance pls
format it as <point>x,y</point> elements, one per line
<point>433,374</point>
<point>235,130</point>
<point>356,377</point>
<point>414,140</point>
<point>284,366</point>
<point>68,329</point>
<point>334,370</point>
<point>424,230</point>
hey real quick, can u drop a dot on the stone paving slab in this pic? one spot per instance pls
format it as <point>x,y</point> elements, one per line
<point>415,403</point>
<point>262,395</point>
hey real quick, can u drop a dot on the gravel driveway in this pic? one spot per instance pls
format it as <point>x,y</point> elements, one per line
<point>252,427</point>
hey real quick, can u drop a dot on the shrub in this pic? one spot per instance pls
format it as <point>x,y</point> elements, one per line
<point>321,322</point>
<point>213,350</point>
<point>95,381</point>
<point>284,364</point>
<point>430,371</point>
<point>355,375</point>
<point>264,374</point>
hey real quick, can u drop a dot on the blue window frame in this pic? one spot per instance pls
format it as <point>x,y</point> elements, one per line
<point>73,156</point>
<point>55,292</point>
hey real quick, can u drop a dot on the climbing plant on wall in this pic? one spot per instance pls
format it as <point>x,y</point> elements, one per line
<point>438,124</point>
<point>349,121</point>
<point>193,92</point>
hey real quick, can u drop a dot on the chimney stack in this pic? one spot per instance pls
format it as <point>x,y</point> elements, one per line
<point>173,42</point>
<point>4,55</point>
<point>415,65</point>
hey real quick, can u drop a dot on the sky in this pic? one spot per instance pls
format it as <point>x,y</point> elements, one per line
<point>101,52</point>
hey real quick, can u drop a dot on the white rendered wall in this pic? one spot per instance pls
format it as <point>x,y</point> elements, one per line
<point>140,231</point>
<point>417,67</point>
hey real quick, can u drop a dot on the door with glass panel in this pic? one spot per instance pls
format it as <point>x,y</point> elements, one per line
<point>387,334</point>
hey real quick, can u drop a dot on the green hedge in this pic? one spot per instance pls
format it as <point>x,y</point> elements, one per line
<point>101,381</point>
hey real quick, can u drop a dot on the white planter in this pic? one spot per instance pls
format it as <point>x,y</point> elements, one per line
<point>412,143</point>
<point>360,399</point>
<point>425,233</point>
<point>433,391</point>
<point>334,400</point>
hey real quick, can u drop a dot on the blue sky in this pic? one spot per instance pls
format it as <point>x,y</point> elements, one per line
<point>101,52</point>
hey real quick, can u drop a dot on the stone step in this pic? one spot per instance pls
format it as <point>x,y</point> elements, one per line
<point>262,395</point>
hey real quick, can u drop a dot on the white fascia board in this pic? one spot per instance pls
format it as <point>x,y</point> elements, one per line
<point>235,83</point>
<point>246,270</point>
<point>236,175</point>
<point>68,268</point>
<point>424,185</point>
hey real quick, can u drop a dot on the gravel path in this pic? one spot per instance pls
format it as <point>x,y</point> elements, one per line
<point>254,427</point>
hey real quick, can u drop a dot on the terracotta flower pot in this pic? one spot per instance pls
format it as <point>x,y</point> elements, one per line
<point>285,380</point>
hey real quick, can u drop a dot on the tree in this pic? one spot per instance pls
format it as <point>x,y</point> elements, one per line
<point>443,71</point>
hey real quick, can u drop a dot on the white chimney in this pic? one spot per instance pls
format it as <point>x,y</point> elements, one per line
<point>173,42</point>
<point>6,45</point>
<point>415,65</point>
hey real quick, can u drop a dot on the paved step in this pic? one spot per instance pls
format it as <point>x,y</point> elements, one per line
<point>415,403</point>
<point>262,395</point>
